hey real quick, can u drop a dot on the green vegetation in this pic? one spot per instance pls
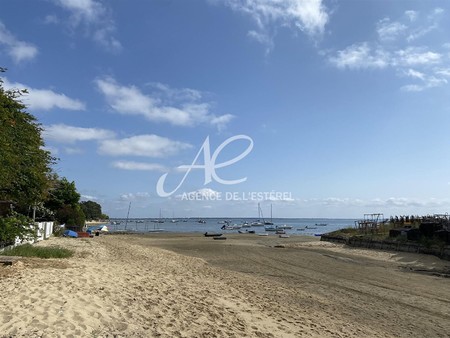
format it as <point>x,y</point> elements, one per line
<point>24,165</point>
<point>28,250</point>
<point>64,200</point>
<point>345,232</point>
<point>28,186</point>
<point>92,210</point>
<point>15,226</point>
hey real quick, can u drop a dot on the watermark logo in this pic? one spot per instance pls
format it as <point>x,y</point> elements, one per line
<point>209,165</point>
<point>237,196</point>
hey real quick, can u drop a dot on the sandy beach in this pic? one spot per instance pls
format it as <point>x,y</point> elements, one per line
<point>188,285</point>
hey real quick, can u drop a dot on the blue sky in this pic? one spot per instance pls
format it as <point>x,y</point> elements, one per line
<point>342,106</point>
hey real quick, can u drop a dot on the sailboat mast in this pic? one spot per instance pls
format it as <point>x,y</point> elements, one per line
<point>262,216</point>
<point>128,214</point>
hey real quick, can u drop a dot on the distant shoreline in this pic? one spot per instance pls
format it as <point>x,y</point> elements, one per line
<point>96,222</point>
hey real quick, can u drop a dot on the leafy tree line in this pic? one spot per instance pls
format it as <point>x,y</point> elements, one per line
<point>28,186</point>
<point>92,210</point>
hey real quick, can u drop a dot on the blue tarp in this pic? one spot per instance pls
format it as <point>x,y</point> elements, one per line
<point>70,233</point>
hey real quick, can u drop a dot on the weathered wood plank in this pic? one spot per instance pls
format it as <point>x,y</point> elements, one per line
<point>9,260</point>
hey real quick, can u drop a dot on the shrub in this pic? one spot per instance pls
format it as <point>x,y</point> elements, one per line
<point>28,250</point>
<point>15,226</point>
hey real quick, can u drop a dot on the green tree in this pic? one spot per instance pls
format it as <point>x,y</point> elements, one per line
<point>24,165</point>
<point>72,216</point>
<point>62,192</point>
<point>63,200</point>
<point>92,210</point>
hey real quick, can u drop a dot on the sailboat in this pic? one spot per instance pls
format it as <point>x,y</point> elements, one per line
<point>173,218</point>
<point>258,221</point>
<point>269,222</point>
<point>160,220</point>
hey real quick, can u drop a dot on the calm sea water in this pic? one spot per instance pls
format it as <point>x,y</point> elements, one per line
<point>300,226</point>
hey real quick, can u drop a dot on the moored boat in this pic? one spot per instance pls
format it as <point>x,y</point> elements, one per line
<point>207,234</point>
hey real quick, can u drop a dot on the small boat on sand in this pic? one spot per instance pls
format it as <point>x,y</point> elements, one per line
<point>208,234</point>
<point>285,226</point>
<point>219,238</point>
<point>246,231</point>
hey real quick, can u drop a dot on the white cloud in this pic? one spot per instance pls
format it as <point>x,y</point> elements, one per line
<point>415,74</point>
<point>308,16</point>
<point>69,134</point>
<point>423,65</point>
<point>416,56</point>
<point>89,198</point>
<point>130,165</point>
<point>360,56</point>
<point>179,107</point>
<point>221,121</point>
<point>426,80</point>
<point>142,145</point>
<point>54,151</point>
<point>412,15</point>
<point>135,196</point>
<point>385,205</point>
<point>45,99</point>
<point>18,50</point>
<point>443,72</point>
<point>388,30</point>
<point>94,17</point>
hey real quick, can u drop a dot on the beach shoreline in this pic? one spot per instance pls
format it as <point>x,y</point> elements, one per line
<point>188,285</point>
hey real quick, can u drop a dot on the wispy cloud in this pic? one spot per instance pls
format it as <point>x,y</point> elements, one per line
<point>135,196</point>
<point>360,56</point>
<point>389,204</point>
<point>94,17</point>
<point>142,145</point>
<point>89,198</point>
<point>44,99</point>
<point>69,134</point>
<point>181,107</point>
<point>420,63</point>
<point>415,56</point>
<point>307,16</point>
<point>388,30</point>
<point>131,165</point>
<point>18,50</point>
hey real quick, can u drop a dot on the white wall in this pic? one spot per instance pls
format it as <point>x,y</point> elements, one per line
<point>44,231</point>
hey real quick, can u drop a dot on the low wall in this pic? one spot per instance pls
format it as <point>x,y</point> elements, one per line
<point>44,231</point>
<point>443,253</point>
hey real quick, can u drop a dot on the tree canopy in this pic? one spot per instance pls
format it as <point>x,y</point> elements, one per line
<point>24,165</point>
<point>26,177</point>
<point>92,210</point>
<point>63,199</point>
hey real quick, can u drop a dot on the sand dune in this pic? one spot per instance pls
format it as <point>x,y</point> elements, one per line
<point>191,286</point>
